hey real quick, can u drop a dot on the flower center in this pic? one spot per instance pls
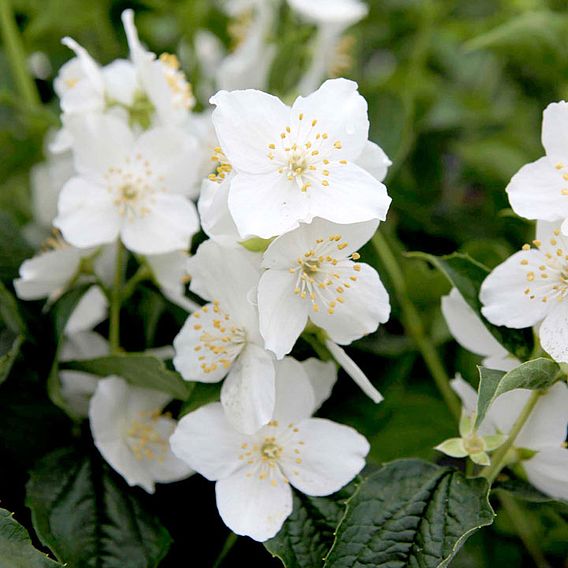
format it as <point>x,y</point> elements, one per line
<point>221,339</point>
<point>223,168</point>
<point>270,450</point>
<point>145,441</point>
<point>324,273</point>
<point>474,444</point>
<point>134,187</point>
<point>548,276</point>
<point>305,154</point>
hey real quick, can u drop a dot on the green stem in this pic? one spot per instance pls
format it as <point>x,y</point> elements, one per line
<point>229,543</point>
<point>414,326</point>
<point>116,300</point>
<point>498,460</point>
<point>143,273</point>
<point>17,56</point>
<point>523,527</point>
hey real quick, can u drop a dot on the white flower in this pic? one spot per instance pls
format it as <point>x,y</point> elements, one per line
<point>531,287</point>
<point>542,439</point>
<point>468,330</point>
<point>294,164</point>
<point>223,339</point>
<point>312,273</point>
<point>332,18</point>
<point>540,189</point>
<point>132,434</point>
<point>254,473</point>
<point>127,186</point>
<point>161,78</point>
<point>77,387</point>
<point>91,310</point>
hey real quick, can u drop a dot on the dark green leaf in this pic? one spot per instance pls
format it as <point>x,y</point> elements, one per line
<point>410,513</point>
<point>467,275</point>
<point>9,312</point>
<point>522,490</point>
<point>16,546</point>
<point>140,370</point>
<point>307,534</point>
<point>9,349</point>
<point>13,248</point>
<point>533,375</point>
<point>90,520</point>
<point>200,394</point>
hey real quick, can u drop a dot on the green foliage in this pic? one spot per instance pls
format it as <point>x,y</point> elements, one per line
<point>307,534</point>
<point>140,370</point>
<point>16,546</point>
<point>410,513</point>
<point>88,518</point>
<point>199,395</point>
<point>533,375</point>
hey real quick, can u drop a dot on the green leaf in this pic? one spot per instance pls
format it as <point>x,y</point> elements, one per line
<point>307,534</point>
<point>9,312</point>
<point>9,348</point>
<point>140,370</point>
<point>200,394</point>
<point>13,248</point>
<point>16,546</point>
<point>410,513</point>
<point>537,374</point>
<point>522,490</point>
<point>90,520</point>
<point>467,275</point>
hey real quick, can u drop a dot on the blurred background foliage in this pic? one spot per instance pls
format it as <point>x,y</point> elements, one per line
<point>456,91</point>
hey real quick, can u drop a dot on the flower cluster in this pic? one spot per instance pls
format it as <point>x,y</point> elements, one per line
<point>529,289</point>
<point>287,195</point>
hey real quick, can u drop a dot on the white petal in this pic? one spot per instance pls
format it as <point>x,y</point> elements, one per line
<point>216,219</point>
<point>354,371</point>
<point>173,156</point>
<point>501,362</point>
<point>169,226</point>
<point>554,333</point>
<point>279,204</point>
<point>206,441</point>
<point>323,376</point>
<point>467,394</point>
<point>254,507</point>
<point>503,293</point>
<point>535,191</point>
<point>331,456</point>
<point>374,160</point>
<point>546,426</point>
<point>353,196</point>
<point>548,472</point>
<point>295,396</point>
<point>344,12</point>
<point>87,215</point>
<point>467,328</point>
<point>248,392</point>
<point>91,310</point>
<point>341,112</point>
<point>169,271</point>
<point>554,128</point>
<point>283,315</point>
<point>246,122</point>
<point>198,356</point>
<point>120,81</point>
<point>47,273</point>
<point>365,305</point>
<point>99,142</point>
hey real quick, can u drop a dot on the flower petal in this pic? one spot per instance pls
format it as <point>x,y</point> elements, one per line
<point>295,397</point>
<point>87,215</point>
<point>254,507</point>
<point>91,310</point>
<point>365,305</point>
<point>206,441</point>
<point>322,376</point>
<point>331,456</point>
<point>547,472</point>
<point>374,160</point>
<point>246,123</point>
<point>503,293</point>
<point>248,392</point>
<point>554,131</point>
<point>535,191</point>
<point>554,333</point>
<point>354,371</point>
<point>283,315</point>
<point>341,112</point>
<point>169,226</point>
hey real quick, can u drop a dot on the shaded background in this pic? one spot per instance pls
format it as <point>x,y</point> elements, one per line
<point>456,91</point>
